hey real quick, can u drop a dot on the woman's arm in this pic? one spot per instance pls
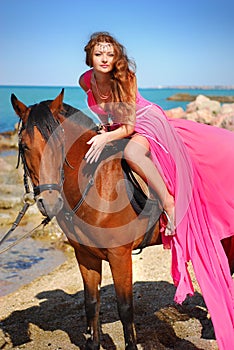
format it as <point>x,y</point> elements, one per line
<point>98,142</point>
<point>123,131</point>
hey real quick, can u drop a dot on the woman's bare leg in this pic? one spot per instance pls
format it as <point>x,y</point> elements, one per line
<point>137,155</point>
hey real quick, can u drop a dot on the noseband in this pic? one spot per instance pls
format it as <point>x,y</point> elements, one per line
<point>46,187</point>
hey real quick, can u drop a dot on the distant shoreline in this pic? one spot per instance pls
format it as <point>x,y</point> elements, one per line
<point>188,98</point>
<point>157,87</point>
<point>193,87</point>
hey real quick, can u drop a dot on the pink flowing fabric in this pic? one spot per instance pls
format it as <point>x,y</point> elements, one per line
<point>196,162</point>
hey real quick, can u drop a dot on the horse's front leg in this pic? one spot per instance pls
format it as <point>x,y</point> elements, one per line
<point>91,268</point>
<point>120,260</point>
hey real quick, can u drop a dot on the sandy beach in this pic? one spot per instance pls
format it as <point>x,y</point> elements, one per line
<point>48,313</point>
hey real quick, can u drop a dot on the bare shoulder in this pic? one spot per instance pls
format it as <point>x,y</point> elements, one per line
<point>82,82</point>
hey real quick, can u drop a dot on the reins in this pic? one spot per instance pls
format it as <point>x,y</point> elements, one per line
<point>27,203</point>
<point>44,222</point>
<point>29,199</point>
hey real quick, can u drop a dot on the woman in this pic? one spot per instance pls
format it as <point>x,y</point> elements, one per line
<point>117,99</point>
<point>182,163</point>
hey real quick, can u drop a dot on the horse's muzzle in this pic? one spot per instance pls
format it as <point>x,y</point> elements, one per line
<point>49,203</point>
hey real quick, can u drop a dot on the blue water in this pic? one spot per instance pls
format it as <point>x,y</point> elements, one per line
<point>75,96</point>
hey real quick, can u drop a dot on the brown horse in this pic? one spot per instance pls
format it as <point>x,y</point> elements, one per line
<point>91,203</point>
<point>104,226</point>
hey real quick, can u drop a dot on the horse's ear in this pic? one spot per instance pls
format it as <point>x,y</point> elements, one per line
<point>19,107</point>
<point>57,105</point>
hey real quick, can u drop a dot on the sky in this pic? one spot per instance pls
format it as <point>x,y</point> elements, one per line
<point>173,42</point>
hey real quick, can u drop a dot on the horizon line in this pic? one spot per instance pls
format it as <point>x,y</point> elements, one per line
<point>182,86</point>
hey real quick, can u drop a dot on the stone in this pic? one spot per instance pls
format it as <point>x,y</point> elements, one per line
<point>177,112</point>
<point>5,166</point>
<point>8,202</point>
<point>228,109</point>
<point>203,102</point>
<point>201,116</point>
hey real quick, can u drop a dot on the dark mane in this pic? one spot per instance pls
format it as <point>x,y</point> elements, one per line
<point>78,117</point>
<point>41,117</point>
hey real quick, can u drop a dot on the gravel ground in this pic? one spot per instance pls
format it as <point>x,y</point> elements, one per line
<point>49,313</point>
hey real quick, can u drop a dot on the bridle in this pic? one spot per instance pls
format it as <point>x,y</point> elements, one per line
<point>50,187</point>
<point>37,190</point>
<point>29,197</point>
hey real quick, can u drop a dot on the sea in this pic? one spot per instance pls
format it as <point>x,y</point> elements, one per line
<point>76,97</point>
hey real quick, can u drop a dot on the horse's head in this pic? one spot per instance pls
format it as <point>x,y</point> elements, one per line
<point>41,146</point>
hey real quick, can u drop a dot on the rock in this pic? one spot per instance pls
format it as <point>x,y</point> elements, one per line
<point>176,113</point>
<point>5,166</point>
<point>201,116</point>
<point>12,189</point>
<point>5,219</point>
<point>8,140</point>
<point>203,102</point>
<point>8,202</point>
<point>204,110</point>
<point>226,122</point>
<point>182,97</point>
<point>227,109</point>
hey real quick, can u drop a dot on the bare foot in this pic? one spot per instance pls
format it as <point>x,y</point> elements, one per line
<point>169,212</point>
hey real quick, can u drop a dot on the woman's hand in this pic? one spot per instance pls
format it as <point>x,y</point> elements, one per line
<point>98,142</point>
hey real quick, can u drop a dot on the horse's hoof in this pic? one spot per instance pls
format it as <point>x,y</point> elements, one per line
<point>90,345</point>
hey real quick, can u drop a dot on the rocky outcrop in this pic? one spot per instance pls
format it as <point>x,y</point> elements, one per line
<point>205,110</point>
<point>188,97</point>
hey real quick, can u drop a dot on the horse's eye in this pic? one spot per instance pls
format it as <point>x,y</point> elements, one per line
<point>24,147</point>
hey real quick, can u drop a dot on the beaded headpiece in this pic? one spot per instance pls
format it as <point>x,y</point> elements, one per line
<point>104,47</point>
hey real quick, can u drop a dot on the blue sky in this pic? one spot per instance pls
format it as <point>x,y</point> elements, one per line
<point>173,42</point>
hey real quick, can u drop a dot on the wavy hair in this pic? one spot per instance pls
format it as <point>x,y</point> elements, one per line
<point>123,79</point>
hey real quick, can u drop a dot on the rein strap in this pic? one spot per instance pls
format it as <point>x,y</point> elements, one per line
<point>16,222</point>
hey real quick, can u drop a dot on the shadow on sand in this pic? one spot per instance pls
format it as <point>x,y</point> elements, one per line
<point>155,314</point>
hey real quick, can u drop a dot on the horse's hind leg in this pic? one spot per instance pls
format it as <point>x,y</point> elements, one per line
<point>90,268</point>
<point>120,260</point>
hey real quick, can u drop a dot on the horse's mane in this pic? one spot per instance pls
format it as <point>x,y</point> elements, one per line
<point>41,117</point>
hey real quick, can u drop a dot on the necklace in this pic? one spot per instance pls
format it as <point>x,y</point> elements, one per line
<point>102,96</point>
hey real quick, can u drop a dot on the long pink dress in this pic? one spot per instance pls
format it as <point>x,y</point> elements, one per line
<point>196,162</point>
